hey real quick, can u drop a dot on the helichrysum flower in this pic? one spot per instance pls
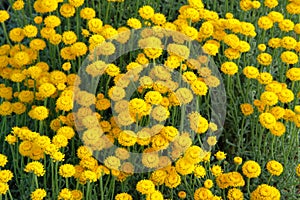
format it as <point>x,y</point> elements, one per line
<point>251,169</point>
<point>38,194</point>
<point>265,192</point>
<point>67,170</point>
<point>145,187</point>
<point>123,196</point>
<point>275,168</point>
<point>36,167</point>
<point>3,188</point>
<point>235,194</point>
<point>202,193</point>
<point>229,68</point>
<point>220,155</point>
<point>216,170</point>
<point>4,15</point>
<point>237,160</point>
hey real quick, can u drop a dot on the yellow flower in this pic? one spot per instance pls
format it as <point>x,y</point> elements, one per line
<point>37,44</point>
<point>39,113</point>
<point>256,4</point>
<point>271,3</point>
<point>184,167</point>
<point>52,21</point>
<point>220,155</point>
<point>38,194</point>
<point>77,194</point>
<point>229,68</point>
<point>264,59</point>
<point>5,176</point>
<point>208,183</point>
<point>156,195</point>
<point>60,141</point>
<point>160,113</point>
<point>87,13</point>
<point>6,108</point>
<point>3,186</point>
<point>36,167</point>
<point>199,171</point>
<point>127,138</point>
<point>4,15</point>
<point>95,25</point>
<point>123,196</point>
<point>265,78</point>
<point>246,5</point>
<point>237,160</point>
<point>21,58</point>
<point>134,23</point>
<point>232,40</point>
<point>276,16</point>
<point>146,12</point>
<point>65,194</point>
<point>288,42</point>
<point>293,74</point>
<point>212,140</point>
<point>112,162</point>
<point>285,95</point>
<point>251,169</point>
<point>286,25</point>
<point>199,88</point>
<point>182,194</point>
<point>69,37</point>
<point>216,170</point>
<point>210,49</point>
<point>145,187</point>
<point>158,19</point>
<point>67,10</point>
<point>235,179</point>
<point>89,175</point>
<point>274,167</point>
<point>267,120</point>
<point>265,192</point>
<point>235,194</point>
<point>265,22</point>
<point>246,109</point>
<point>251,72</point>
<point>38,19</point>
<point>30,31</point>
<point>172,180</point>
<point>202,194</point>
<point>289,57</point>
<point>262,47</point>
<point>76,3</point>
<point>269,98</point>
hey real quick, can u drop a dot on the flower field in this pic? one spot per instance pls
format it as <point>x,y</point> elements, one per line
<point>150,100</point>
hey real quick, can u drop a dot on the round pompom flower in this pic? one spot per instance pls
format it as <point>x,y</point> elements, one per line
<point>264,192</point>
<point>275,168</point>
<point>267,120</point>
<point>4,15</point>
<point>67,170</point>
<point>145,187</point>
<point>38,194</point>
<point>123,196</point>
<point>229,68</point>
<point>251,169</point>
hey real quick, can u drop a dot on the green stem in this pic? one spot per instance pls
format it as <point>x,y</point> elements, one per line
<point>5,34</point>
<point>36,181</point>
<point>101,188</point>
<point>248,186</point>
<point>269,180</point>
<point>107,12</point>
